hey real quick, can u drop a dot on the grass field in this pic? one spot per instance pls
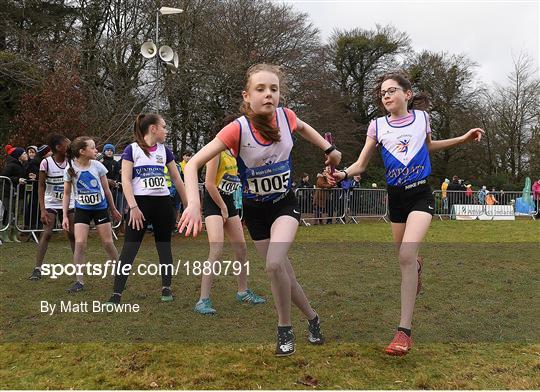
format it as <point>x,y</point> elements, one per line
<point>476,321</point>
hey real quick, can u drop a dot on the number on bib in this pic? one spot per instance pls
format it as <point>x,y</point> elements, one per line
<point>89,199</point>
<point>153,182</point>
<point>272,184</point>
<point>229,187</point>
<point>58,195</point>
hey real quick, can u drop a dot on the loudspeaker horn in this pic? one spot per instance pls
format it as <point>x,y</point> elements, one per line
<point>176,60</point>
<point>166,53</point>
<point>149,49</point>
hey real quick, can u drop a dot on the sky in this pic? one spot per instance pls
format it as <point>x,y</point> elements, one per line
<point>488,32</point>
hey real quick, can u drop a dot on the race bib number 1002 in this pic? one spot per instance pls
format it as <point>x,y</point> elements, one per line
<point>157,182</point>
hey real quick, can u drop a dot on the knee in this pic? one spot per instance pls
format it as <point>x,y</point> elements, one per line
<point>407,258</point>
<point>273,268</point>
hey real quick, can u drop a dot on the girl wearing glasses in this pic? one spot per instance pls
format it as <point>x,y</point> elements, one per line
<point>404,135</point>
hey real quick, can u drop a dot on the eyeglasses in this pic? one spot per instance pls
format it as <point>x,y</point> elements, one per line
<point>391,91</point>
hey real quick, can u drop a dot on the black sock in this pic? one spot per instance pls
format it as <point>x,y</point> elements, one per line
<point>314,319</point>
<point>284,329</point>
<point>407,331</point>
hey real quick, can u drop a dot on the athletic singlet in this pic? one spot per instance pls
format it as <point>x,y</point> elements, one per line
<point>54,183</point>
<point>265,169</point>
<point>87,189</point>
<point>149,171</point>
<point>227,179</point>
<point>404,150</point>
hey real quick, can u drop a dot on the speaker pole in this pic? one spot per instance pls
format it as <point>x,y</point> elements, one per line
<point>157,62</point>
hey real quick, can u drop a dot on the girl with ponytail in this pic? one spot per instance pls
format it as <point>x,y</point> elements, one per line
<point>93,200</point>
<point>262,140</point>
<point>147,195</point>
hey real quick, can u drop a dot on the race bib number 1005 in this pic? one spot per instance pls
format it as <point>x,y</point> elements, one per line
<point>277,183</point>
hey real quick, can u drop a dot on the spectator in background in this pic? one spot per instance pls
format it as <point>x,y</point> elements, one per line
<point>536,197</point>
<point>304,183</point>
<point>32,166</point>
<point>15,170</point>
<point>444,198</point>
<point>113,167</point>
<point>482,195</point>
<point>186,156</point>
<point>31,204</point>
<point>469,194</point>
<point>454,194</point>
<point>304,196</point>
<point>320,195</point>
<point>113,175</point>
<point>490,198</point>
<point>43,151</point>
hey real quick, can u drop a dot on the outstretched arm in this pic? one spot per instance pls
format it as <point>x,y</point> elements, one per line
<point>361,163</point>
<point>474,134</point>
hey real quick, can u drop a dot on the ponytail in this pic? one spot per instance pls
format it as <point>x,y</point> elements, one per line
<point>141,127</point>
<point>72,152</point>
<point>69,157</point>
<point>261,123</point>
<point>420,101</point>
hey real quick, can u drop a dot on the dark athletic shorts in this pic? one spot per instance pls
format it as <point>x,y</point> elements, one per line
<point>211,208</point>
<point>402,200</point>
<point>86,216</point>
<point>259,216</point>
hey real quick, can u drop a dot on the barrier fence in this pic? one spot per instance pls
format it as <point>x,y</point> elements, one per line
<point>479,205</point>
<point>19,206</point>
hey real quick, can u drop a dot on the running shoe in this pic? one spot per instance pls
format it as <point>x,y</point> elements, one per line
<point>400,345</point>
<point>36,274</point>
<point>204,306</point>
<point>77,286</point>
<point>285,342</point>
<point>166,294</point>
<point>250,297</point>
<point>314,327</point>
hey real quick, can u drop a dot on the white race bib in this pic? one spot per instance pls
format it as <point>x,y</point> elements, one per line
<point>276,183</point>
<point>155,182</point>
<point>89,199</point>
<point>229,184</point>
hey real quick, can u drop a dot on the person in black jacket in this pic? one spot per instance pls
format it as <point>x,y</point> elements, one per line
<point>15,170</point>
<point>31,204</point>
<point>113,175</point>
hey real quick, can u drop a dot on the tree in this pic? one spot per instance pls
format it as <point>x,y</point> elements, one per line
<point>449,82</point>
<point>358,58</point>
<point>56,107</point>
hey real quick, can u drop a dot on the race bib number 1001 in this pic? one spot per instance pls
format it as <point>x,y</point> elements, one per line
<point>89,199</point>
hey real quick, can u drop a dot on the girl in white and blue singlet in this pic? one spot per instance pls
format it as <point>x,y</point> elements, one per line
<point>262,141</point>
<point>404,135</point>
<point>50,197</point>
<point>93,200</point>
<point>147,195</point>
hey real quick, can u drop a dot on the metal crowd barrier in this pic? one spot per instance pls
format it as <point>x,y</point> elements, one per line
<point>319,206</point>
<point>477,203</point>
<point>367,203</point>
<point>27,213</point>
<point>5,203</point>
